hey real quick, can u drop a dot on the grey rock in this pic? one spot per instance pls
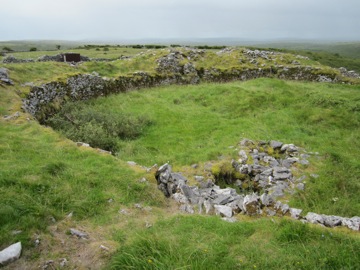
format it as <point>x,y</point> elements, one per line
<point>295,213</point>
<point>224,211</point>
<point>245,169</point>
<point>313,175</point>
<point>300,186</point>
<point>208,206</point>
<point>270,213</point>
<point>131,163</point>
<point>178,179</point>
<point>274,163</point>
<point>284,208</point>
<point>289,148</point>
<point>10,254</point>
<point>12,117</point>
<point>304,162</point>
<point>289,161</point>
<point>189,194</point>
<point>281,173</point>
<point>79,234</point>
<point>247,142</point>
<point>304,156</point>
<point>278,189</point>
<point>301,179</point>
<point>222,199</point>
<point>187,208</point>
<point>314,218</point>
<point>243,157</point>
<point>251,204</point>
<point>332,221</point>
<point>180,198</point>
<point>276,144</point>
<point>257,169</point>
<point>265,174</point>
<point>266,199</point>
<point>352,223</point>
<point>64,261</point>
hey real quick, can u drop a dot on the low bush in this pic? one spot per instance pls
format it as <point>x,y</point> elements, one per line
<point>99,129</point>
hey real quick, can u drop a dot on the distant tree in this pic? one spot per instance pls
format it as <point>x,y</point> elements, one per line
<point>7,49</point>
<point>58,47</point>
<point>33,49</point>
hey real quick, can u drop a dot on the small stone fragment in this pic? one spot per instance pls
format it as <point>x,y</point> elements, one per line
<point>79,234</point>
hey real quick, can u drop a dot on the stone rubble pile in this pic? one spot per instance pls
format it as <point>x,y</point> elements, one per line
<point>349,73</point>
<point>262,54</point>
<point>170,63</point>
<point>270,178</point>
<point>45,58</point>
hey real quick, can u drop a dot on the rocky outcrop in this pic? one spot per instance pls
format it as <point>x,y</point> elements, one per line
<point>268,179</point>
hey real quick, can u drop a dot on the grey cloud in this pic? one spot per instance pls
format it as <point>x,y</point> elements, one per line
<point>252,19</point>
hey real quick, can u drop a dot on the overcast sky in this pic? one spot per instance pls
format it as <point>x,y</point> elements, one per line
<point>140,19</point>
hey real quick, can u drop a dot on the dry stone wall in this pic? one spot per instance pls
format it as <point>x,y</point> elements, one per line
<point>45,100</point>
<point>270,177</point>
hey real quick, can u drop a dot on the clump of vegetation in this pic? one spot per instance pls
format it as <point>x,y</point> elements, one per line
<point>103,130</point>
<point>33,49</point>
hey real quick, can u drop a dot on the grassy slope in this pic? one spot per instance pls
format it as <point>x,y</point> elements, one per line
<point>199,123</point>
<point>43,175</point>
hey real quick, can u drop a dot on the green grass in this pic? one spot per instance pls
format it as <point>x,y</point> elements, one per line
<point>44,175</point>
<point>209,243</point>
<point>198,123</point>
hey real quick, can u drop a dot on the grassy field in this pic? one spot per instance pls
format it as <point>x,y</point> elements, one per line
<point>44,176</point>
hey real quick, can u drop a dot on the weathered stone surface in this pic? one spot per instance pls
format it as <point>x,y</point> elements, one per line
<point>276,144</point>
<point>10,254</point>
<point>187,208</point>
<point>222,199</point>
<point>251,204</point>
<point>266,199</point>
<point>224,211</point>
<point>314,218</point>
<point>332,221</point>
<point>243,157</point>
<point>295,213</point>
<point>300,186</point>
<point>281,173</point>
<point>180,198</point>
<point>208,206</point>
<point>352,223</point>
<point>189,194</point>
<point>287,163</point>
<point>79,234</point>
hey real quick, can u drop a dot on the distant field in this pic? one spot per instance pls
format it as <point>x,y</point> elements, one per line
<point>334,54</point>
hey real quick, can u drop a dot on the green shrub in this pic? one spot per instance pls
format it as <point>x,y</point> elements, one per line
<point>99,129</point>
